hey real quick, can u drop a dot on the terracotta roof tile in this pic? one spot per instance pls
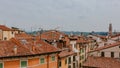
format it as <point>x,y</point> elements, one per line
<point>117,35</point>
<point>52,35</point>
<point>4,28</point>
<point>66,53</point>
<point>25,47</point>
<point>23,35</point>
<point>7,47</point>
<point>102,62</point>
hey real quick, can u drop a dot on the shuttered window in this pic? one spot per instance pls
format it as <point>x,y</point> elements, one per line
<point>1,65</point>
<point>42,60</point>
<point>53,58</point>
<point>23,64</point>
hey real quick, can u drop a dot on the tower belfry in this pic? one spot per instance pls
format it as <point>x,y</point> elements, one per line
<point>110,30</point>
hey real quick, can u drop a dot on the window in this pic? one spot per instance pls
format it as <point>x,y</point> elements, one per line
<point>5,38</point>
<point>69,60</point>
<point>53,58</point>
<point>102,54</point>
<point>42,60</point>
<point>74,65</point>
<point>80,65</point>
<point>59,63</point>
<point>23,64</point>
<point>119,46</point>
<point>1,65</point>
<point>112,54</point>
<point>82,50</point>
<point>82,57</point>
<point>11,32</point>
<point>75,46</point>
<point>73,58</point>
<point>69,66</point>
<point>65,61</point>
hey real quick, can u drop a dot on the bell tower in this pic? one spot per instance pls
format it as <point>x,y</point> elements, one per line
<point>110,30</point>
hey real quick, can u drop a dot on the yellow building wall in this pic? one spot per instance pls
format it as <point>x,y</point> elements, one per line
<point>8,35</point>
<point>63,65</point>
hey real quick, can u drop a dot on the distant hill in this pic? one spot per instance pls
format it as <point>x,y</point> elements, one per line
<point>84,33</point>
<point>74,33</point>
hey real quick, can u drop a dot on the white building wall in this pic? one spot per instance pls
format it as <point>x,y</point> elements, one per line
<point>108,51</point>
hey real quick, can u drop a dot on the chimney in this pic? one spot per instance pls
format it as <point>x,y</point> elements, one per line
<point>33,48</point>
<point>15,49</point>
<point>34,42</point>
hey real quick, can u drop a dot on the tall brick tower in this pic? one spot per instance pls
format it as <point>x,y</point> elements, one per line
<point>110,30</point>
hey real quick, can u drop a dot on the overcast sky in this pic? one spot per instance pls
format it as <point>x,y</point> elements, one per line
<point>70,15</point>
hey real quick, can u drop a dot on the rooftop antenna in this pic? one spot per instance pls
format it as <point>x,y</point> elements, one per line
<point>115,32</point>
<point>40,31</point>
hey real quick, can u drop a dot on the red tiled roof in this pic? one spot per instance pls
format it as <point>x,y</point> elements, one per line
<point>6,49</point>
<point>107,46</point>
<point>82,41</point>
<point>66,53</point>
<point>113,36</point>
<point>4,28</point>
<point>52,35</point>
<point>23,35</point>
<point>102,62</point>
<point>46,47</point>
<point>100,36</point>
<point>25,47</point>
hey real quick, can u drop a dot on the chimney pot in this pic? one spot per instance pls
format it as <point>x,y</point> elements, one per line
<point>15,49</point>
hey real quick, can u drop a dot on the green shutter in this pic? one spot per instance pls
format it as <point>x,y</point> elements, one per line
<point>23,63</point>
<point>42,60</point>
<point>1,65</point>
<point>82,56</point>
<point>82,51</point>
<point>53,58</point>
